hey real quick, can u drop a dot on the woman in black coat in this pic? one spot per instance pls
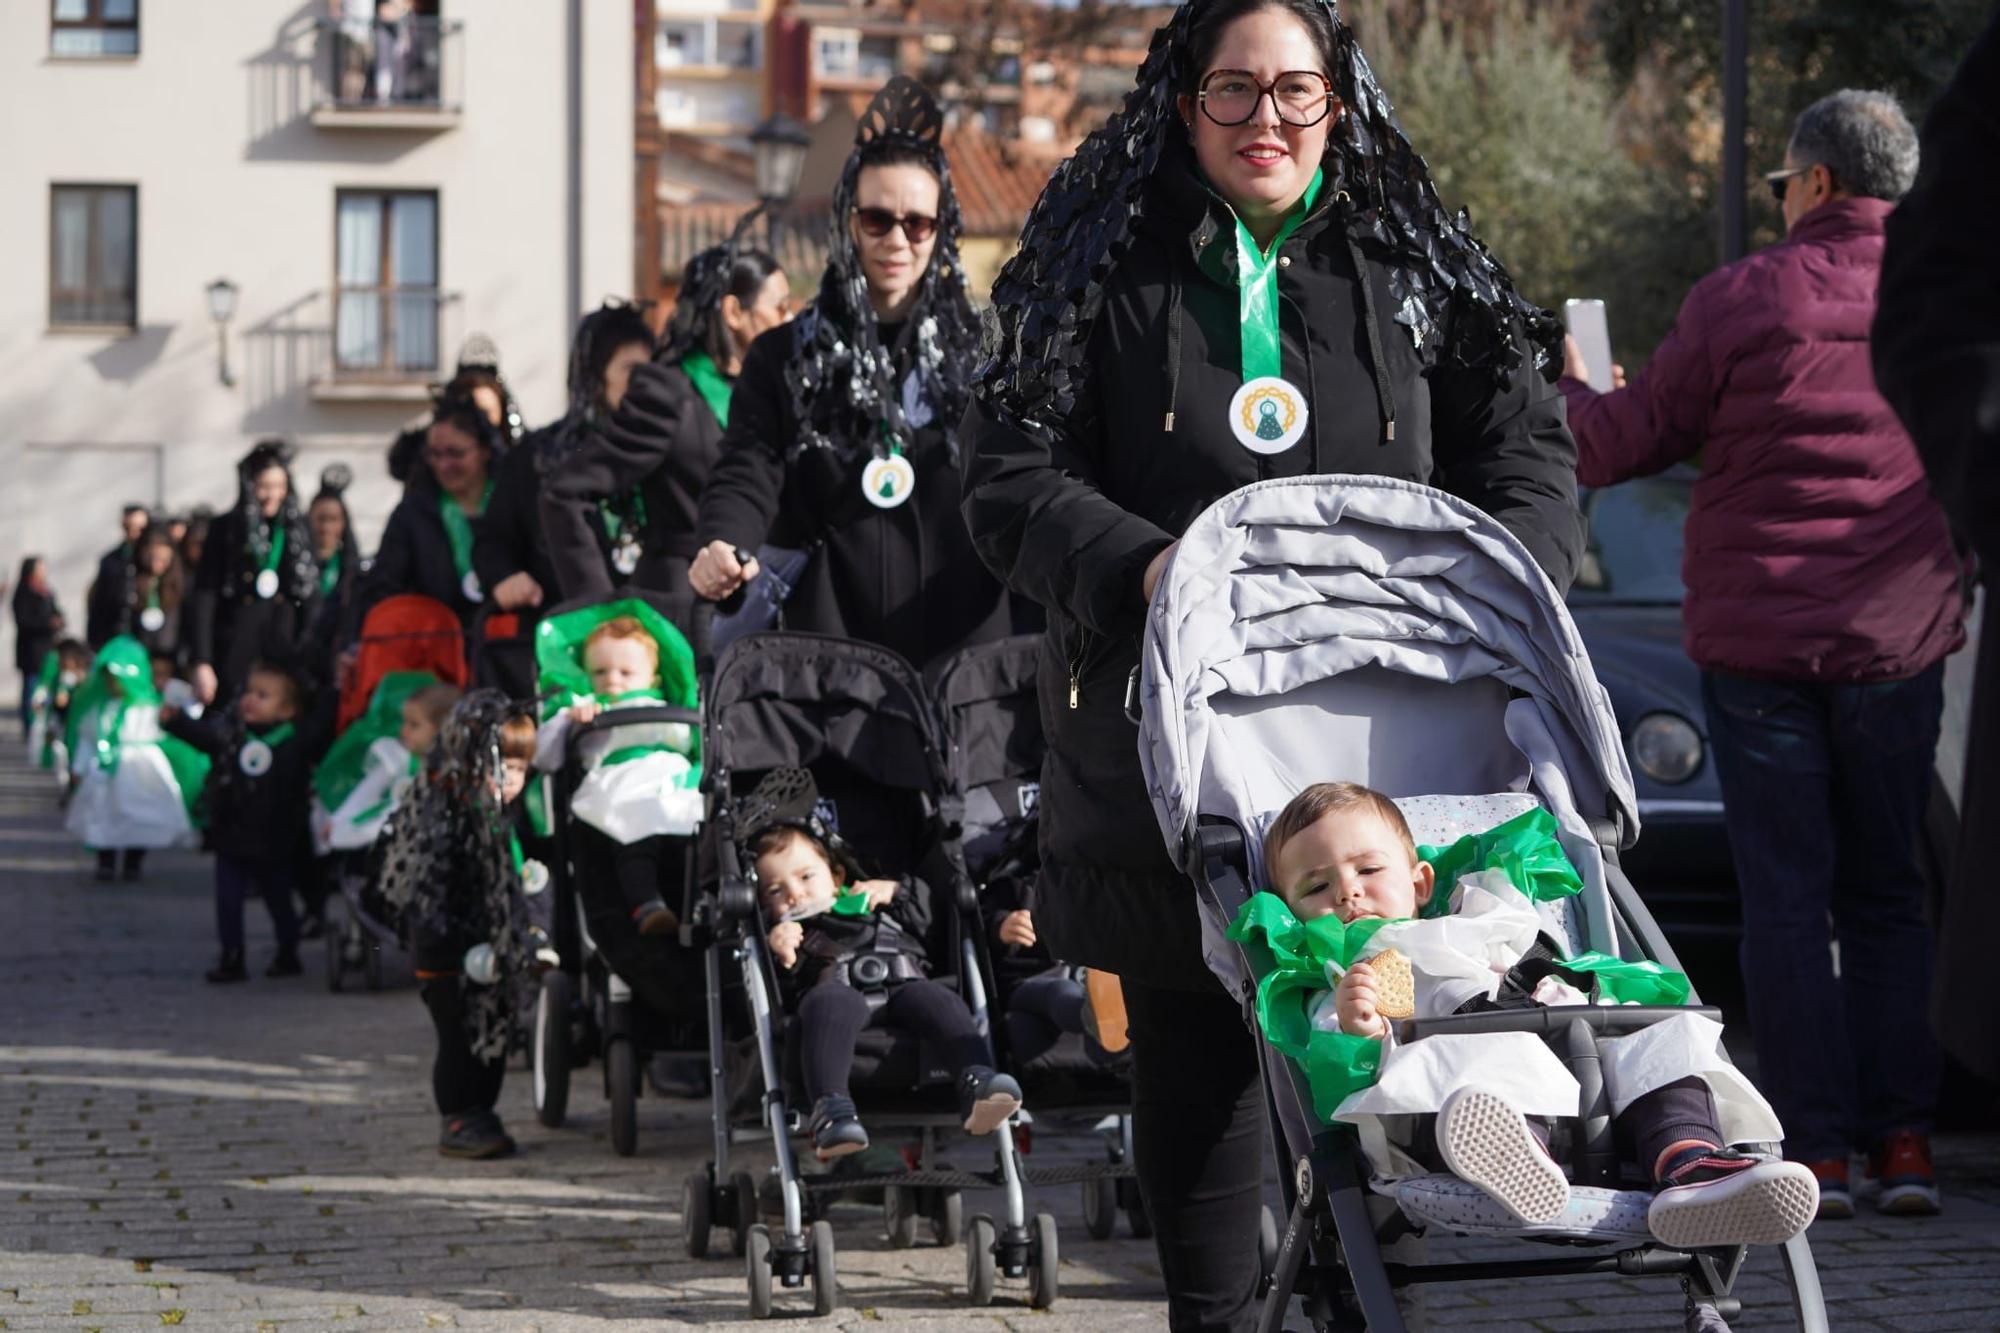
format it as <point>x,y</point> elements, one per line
<point>256,576</point>
<point>156,597</point>
<point>637,462</point>
<point>427,545</point>
<point>37,623</point>
<point>515,547</point>
<point>339,553</point>
<point>1247,274</point>
<point>839,440</point>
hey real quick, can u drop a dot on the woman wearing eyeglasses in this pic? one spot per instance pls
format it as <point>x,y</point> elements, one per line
<point>427,545</point>
<point>258,572</point>
<point>621,481</point>
<point>1246,274</point>
<point>839,442</point>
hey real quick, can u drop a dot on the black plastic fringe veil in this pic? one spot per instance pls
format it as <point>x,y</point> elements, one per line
<point>298,567</point>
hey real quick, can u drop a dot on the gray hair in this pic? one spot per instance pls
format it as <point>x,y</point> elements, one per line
<point>1862,138</point>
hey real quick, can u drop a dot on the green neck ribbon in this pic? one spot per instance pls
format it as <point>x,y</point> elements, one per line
<point>614,521</point>
<point>277,735</point>
<point>329,575</point>
<point>458,528</point>
<point>277,551</point>
<point>714,387</point>
<point>1257,288</point>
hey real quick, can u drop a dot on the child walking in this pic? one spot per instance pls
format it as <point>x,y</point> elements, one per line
<point>259,784</point>
<point>452,881</point>
<point>133,786</point>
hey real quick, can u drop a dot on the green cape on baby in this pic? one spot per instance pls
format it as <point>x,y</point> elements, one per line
<point>1291,956</point>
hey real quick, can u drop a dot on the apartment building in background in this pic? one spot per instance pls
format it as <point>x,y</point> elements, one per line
<point>369,188</point>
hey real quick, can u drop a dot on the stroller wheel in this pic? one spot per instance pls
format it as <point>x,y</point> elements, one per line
<point>826,1288</point>
<point>336,962</point>
<point>1100,1207</point>
<point>1134,1204</point>
<point>1042,1260</point>
<point>947,1217</point>
<point>899,1216</point>
<point>697,1215</point>
<point>621,1079</point>
<point>979,1240</point>
<point>550,1055</point>
<point>743,1188</point>
<point>757,1268</point>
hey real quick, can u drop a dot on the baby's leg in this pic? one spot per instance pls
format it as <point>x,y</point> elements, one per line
<point>1708,1195</point>
<point>1041,1009</point>
<point>985,1098</point>
<point>1484,1141</point>
<point>641,871</point>
<point>831,1018</point>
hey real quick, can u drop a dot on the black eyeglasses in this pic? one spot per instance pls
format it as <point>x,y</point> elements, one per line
<point>879,222</point>
<point>1303,97</point>
<point>1781,181</point>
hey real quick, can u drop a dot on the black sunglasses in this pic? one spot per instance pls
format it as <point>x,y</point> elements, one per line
<point>879,222</point>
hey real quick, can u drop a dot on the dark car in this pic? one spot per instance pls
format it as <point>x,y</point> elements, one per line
<point>1627,604</point>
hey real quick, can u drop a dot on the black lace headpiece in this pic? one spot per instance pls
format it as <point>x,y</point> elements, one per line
<point>298,566</point>
<point>845,390</point>
<point>447,866</point>
<point>1444,282</point>
<point>612,325</point>
<point>789,798</point>
<point>333,484</point>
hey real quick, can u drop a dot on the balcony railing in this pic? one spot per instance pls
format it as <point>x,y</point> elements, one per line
<point>388,334</point>
<point>388,75</point>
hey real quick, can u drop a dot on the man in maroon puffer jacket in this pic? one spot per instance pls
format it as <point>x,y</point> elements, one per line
<point>1823,593</point>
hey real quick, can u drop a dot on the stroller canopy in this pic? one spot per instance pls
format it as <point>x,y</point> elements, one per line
<point>1377,631</point>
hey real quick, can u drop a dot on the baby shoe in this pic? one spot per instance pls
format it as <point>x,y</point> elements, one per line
<point>1718,1196</point>
<point>835,1128</point>
<point>1486,1142</point>
<point>986,1099</point>
<point>654,917</point>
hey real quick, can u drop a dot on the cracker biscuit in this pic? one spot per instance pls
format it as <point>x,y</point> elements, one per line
<point>1395,986</point>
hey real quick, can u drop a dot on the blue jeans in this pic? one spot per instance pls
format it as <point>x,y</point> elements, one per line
<point>1825,788</point>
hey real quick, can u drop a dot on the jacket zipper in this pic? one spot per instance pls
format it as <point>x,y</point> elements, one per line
<point>1076,662</point>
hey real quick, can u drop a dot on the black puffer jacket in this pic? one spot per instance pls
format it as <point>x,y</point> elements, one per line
<point>663,439</point>
<point>1074,527</point>
<point>906,578</point>
<point>258,820</point>
<point>414,557</point>
<point>509,538</point>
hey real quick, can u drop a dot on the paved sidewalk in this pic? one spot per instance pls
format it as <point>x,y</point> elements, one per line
<point>261,1157</point>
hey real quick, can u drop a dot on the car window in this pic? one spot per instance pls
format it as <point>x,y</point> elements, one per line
<point>1632,552</point>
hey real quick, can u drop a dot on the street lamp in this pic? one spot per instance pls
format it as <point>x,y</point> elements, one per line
<point>779,146</point>
<point>222,309</point>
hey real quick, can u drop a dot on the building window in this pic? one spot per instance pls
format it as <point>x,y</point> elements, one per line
<point>86,28</point>
<point>386,296</point>
<point>837,53</point>
<point>93,255</point>
<point>738,46</point>
<point>682,45</point>
<point>878,58</point>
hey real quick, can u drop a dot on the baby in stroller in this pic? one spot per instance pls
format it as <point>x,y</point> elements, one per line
<point>639,792</point>
<point>1343,859</point>
<point>849,954</point>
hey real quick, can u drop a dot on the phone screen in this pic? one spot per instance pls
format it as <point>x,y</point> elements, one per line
<point>1592,332</point>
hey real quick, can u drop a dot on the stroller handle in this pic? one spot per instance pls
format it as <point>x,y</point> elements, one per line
<point>612,719</point>
<point>1609,1020</point>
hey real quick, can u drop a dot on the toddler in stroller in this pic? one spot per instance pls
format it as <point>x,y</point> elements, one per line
<point>1342,851</point>
<point>849,954</point>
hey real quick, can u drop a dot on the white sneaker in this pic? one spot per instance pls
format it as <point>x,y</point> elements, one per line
<point>1486,1142</point>
<point>1724,1197</point>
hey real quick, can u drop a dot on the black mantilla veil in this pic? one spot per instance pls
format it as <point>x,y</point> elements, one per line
<point>298,567</point>
<point>691,328</point>
<point>333,483</point>
<point>447,871</point>
<point>1444,283</point>
<point>845,391</point>
<point>598,334</point>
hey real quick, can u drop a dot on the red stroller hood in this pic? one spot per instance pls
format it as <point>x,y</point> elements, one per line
<point>404,633</point>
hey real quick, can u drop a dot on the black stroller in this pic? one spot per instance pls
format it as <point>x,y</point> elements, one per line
<point>1373,630</point>
<point>858,718</point>
<point>615,993</point>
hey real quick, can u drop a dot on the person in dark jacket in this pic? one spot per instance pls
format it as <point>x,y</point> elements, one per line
<point>156,596</point>
<point>1246,274</point>
<point>256,576</point>
<point>1823,594</point>
<point>839,440</point>
<point>339,555</point>
<point>427,546</point>
<point>512,554</point>
<point>1937,361</point>
<point>257,797</point>
<point>104,607</point>
<point>38,621</point>
<point>638,461</point>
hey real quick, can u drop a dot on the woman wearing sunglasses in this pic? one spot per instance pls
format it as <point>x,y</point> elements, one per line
<point>1246,274</point>
<point>621,482</point>
<point>839,442</point>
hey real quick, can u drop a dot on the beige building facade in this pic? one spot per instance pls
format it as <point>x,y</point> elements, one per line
<point>373,189</point>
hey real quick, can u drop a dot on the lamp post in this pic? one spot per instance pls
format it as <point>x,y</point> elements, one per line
<point>779,146</point>
<point>222,309</point>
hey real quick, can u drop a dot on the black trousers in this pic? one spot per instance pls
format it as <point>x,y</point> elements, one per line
<point>832,1017</point>
<point>640,871</point>
<point>1040,1009</point>
<point>1198,1121</point>
<point>460,1082</point>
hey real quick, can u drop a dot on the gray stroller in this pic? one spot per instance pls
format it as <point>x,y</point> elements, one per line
<point>1378,631</point>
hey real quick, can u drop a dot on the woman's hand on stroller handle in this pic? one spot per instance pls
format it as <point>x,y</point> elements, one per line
<point>719,569</point>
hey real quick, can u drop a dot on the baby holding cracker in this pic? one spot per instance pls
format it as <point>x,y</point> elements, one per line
<point>1478,1105</point>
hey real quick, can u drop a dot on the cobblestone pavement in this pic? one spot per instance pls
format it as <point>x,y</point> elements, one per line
<point>261,1157</point>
